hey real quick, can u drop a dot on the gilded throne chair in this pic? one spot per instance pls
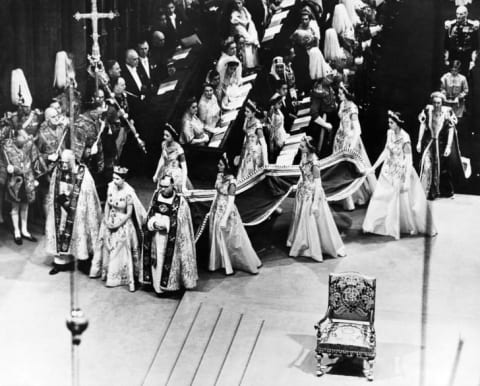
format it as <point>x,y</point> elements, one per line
<point>347,328</point>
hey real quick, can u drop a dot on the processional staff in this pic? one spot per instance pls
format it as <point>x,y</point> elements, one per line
<point>77,323</point>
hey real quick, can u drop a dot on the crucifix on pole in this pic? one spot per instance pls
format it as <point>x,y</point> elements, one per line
<point>96,69</point>
<point>95,16</point>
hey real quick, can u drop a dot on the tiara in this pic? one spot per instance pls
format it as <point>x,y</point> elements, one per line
<point>251,105</point>
<point>170,128</point>
<point>275,98</point>
<point>120,170</point>
<point>395,116</point>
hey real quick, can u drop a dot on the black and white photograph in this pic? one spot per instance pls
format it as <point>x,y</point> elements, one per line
<point>239,192</point>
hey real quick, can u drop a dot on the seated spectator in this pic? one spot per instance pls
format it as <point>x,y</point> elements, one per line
<point>193,132</point>
<point>208,108</point>
<point>229,54</point>
<point>280,71</point>
<point>230,84</point>
<point>213,78</point>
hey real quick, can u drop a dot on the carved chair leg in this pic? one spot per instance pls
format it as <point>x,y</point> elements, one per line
<point>368,368</point>
<point>321,368</point>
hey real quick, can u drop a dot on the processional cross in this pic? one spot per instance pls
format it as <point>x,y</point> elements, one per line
<point>95,16</point>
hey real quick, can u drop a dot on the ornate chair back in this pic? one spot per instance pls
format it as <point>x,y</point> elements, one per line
<point>351,296</point>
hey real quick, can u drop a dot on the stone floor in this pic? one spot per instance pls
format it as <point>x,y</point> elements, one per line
<point>427,312</point>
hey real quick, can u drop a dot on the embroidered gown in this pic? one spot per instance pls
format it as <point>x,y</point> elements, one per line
<point>230,246</point>
<point>312,230</point>
<point>252,157</point>
<point>344,138</point>
<point>117,252</point>
<point>172,156</point>
<point>393,210</point>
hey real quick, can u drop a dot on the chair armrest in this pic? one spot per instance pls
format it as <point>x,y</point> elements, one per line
<point>372,329</point>
<point>317,326</point>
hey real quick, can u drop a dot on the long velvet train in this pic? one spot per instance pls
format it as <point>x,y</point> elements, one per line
<point>261,193</point>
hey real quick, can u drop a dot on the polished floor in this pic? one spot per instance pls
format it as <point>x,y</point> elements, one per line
<point>427,313</point>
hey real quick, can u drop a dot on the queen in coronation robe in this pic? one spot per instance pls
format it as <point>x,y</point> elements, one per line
<point>169,260</point>
<point>74,213</point>
<point>117,252</point>
<point>312,231</point>
<point>399,204</point>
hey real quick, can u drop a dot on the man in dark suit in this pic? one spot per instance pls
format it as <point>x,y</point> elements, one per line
<point>146,68</point>
<point>136,88</point>
<point>259,9</point>
<point>160,55</point>
<point>288,108</point>
<point>170,38</point>
<point>175,21</point>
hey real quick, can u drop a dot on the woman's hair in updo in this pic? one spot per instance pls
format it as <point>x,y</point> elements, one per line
<point>226,164</point>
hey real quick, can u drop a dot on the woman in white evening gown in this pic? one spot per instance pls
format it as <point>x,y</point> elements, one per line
<point>313,231</point>
<point>399,204</point>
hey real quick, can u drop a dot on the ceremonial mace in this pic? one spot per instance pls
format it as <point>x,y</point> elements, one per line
<point>77,323</point>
